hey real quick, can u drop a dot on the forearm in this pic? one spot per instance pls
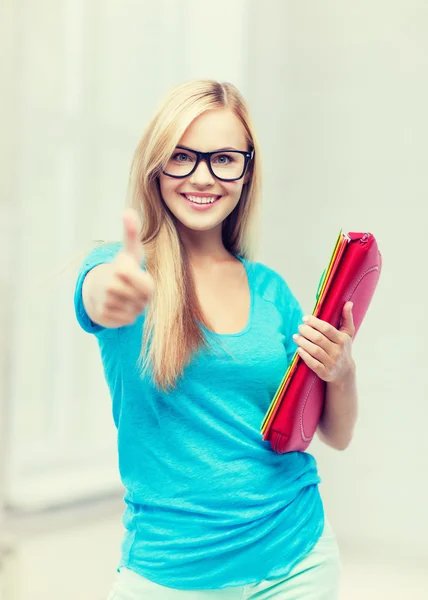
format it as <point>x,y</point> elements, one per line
<point>93,287</point>
<point>340,413</point>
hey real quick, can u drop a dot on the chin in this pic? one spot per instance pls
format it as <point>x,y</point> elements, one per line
<point>200,226</point>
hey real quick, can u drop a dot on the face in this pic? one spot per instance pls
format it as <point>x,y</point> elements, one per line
<point>213,130</point>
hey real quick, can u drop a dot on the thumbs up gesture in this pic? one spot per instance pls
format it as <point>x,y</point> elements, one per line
<point>128,288</point>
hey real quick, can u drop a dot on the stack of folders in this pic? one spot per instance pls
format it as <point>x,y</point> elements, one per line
<point>352,274</point>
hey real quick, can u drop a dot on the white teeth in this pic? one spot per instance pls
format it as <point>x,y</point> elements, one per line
<point>199,200</point>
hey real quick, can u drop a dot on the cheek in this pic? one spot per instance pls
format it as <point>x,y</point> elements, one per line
<point>233,189</point>
<point>167,187</point>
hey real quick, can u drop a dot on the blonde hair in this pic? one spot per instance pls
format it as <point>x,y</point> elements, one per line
<point>172,333</point>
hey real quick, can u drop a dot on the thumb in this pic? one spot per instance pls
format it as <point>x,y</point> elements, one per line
<point>131,234</point>
<point>348,320</point>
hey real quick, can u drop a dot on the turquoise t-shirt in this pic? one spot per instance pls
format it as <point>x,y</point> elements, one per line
<point>208,504</point>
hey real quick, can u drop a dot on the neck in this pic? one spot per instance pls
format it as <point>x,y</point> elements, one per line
<point>204,247</point>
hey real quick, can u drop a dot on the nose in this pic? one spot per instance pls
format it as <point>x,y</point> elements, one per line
<point>202,176</point>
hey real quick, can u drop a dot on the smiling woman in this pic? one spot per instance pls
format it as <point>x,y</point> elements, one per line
<point>195,337</point>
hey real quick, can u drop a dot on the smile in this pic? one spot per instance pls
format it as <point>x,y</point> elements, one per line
<point>201,199</point>
<point>201,203</point>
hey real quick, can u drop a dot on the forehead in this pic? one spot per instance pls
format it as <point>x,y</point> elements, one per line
<point>213,129</point>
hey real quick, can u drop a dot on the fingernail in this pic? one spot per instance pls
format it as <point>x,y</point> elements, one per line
<point>305,319</point>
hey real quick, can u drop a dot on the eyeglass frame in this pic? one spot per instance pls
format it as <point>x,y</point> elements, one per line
<point>206,157</point>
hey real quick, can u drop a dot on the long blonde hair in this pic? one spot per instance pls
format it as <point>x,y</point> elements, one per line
<point>172,331</point>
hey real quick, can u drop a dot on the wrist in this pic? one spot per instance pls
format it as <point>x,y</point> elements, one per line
<point>347,379</point>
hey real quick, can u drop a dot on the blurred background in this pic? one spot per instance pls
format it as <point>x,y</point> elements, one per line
<point>339,96</point>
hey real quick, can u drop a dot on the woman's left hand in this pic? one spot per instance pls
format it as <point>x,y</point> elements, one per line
<point>325,349</point>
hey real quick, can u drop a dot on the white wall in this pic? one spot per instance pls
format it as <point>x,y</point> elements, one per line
<point>84,81</point>
<point>340,95</point>
<point>338,91</point>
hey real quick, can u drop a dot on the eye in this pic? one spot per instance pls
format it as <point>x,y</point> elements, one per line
<point>180,157</point>
<point>223,159</point>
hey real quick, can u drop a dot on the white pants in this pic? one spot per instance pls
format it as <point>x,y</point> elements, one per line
<point>316,577</point>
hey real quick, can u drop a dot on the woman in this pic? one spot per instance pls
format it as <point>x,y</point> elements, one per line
<point>195,337</point>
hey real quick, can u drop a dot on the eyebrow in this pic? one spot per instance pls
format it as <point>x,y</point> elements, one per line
<point>218,150</point>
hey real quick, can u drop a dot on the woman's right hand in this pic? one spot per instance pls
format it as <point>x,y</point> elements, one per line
<point>118,292</point>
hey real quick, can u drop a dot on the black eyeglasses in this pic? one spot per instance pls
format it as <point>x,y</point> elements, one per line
<point>226,165</point>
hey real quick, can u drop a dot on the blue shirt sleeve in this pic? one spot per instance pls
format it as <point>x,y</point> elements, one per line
<point>100,255</point>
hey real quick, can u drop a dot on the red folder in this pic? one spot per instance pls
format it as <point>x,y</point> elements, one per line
<point>352,275</point>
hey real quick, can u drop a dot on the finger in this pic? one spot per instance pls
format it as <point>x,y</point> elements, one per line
<point>314,350</point>
<point>315,336</point>
<point>121,291</point>
<point>325,328</point>
<point>131,234</point>
<point>120,317</point>
<point>348,325</point>
<point>141,283</point>
<point>311,362</point>
<point>128,307</point>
